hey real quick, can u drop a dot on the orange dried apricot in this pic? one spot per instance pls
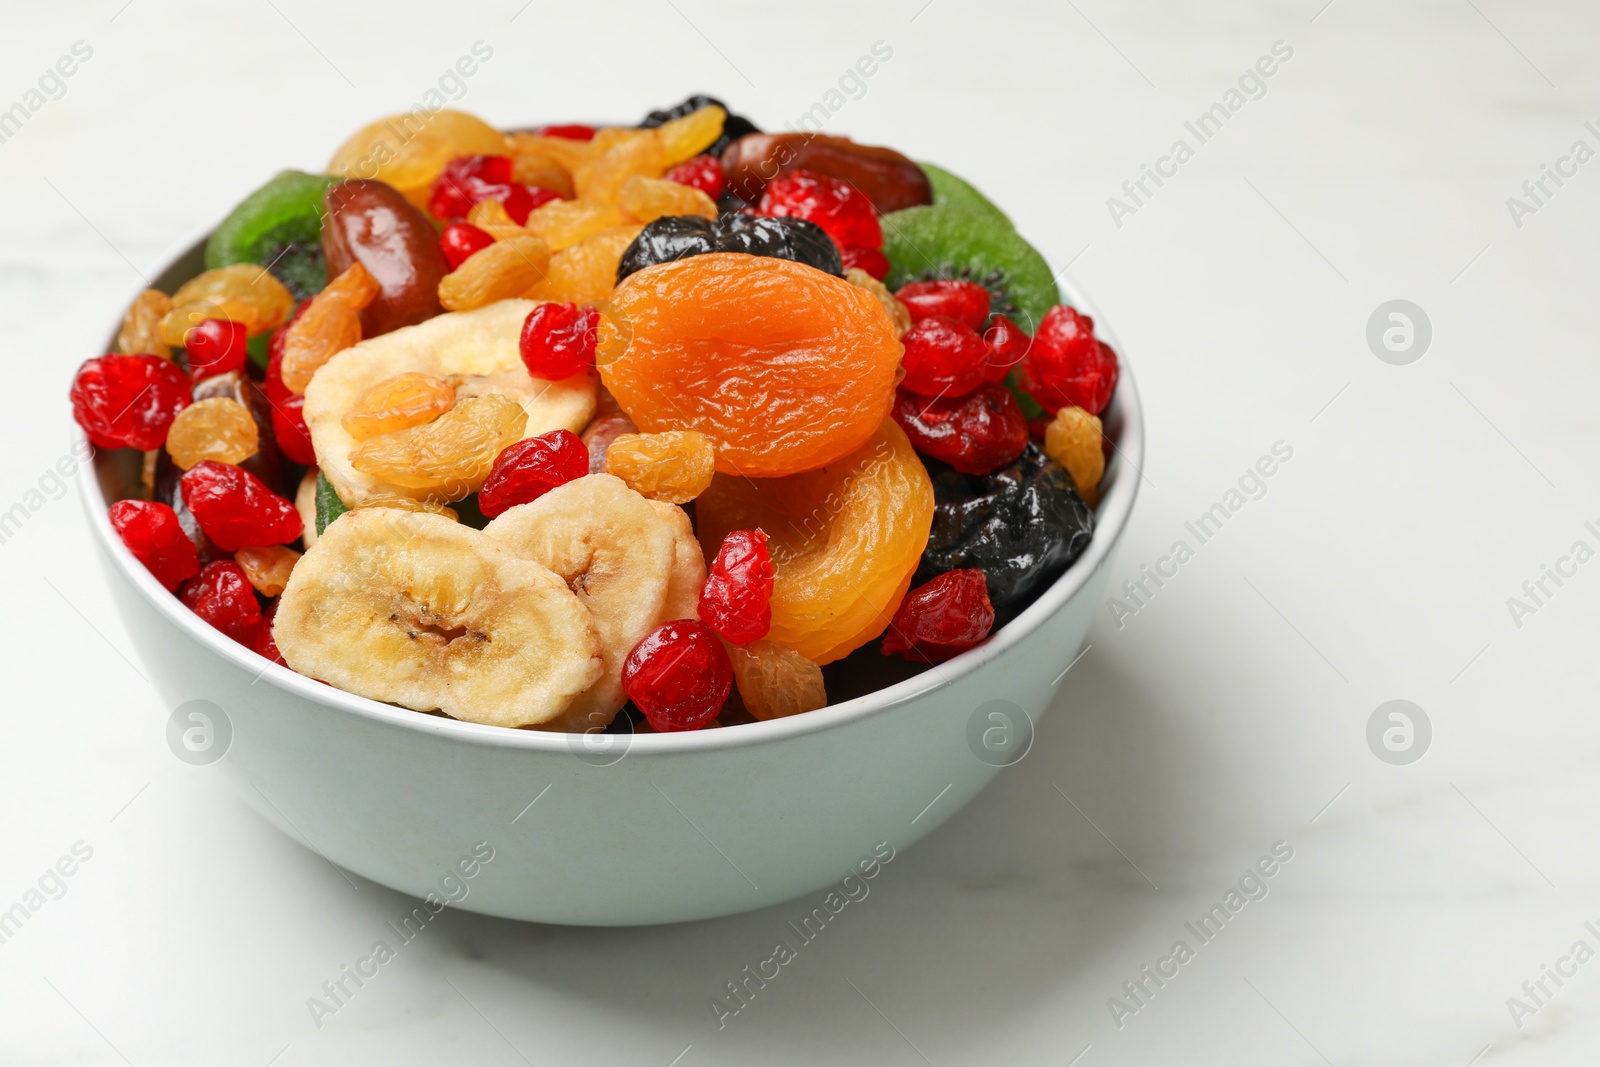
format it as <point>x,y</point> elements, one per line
<point>399,403</point>
<point>648,199</point>
<point>507,269</point>
<point>675,466</point>
<point>784,367</point>
<point>586,272</point>
<point>845,541</point>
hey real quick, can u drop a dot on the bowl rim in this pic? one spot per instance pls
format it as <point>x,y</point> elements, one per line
<point>1111,519</point>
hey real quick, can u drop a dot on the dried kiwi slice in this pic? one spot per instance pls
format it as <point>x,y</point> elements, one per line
<point>952,242</point>
<point>949,189</point>
<point>329,506</point>
<point>279,226</point>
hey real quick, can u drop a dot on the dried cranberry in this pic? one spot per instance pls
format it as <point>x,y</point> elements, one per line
<point>568,132</point>
<point>870,260</point>
<point>944,357</point>
<point>678,675</point>
<point>977,433</point>
<point>216,346</point>
<point>837,206</point>
<point>289,429</point>
<point>558,340</point>
<point>1067,366</point>
<point>128,401</point>
<point>532,467</point>
<point>261,641</point>
<point>941,619</point>
<point>519,200</point>
<point>736,600</point>
<point>702,172</point>
<point>1008,343</point>
<point>468,180</point>
<point>235,509</point>
<point>459,240</point>
<point>222,595</point>
<point>156,538</point>
<point>967,302</point>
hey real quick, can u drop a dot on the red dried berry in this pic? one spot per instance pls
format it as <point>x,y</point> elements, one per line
<point>530,468</point>
<point>870,260</point>
<point>558,340</point>
<point>156,538</point>
<point>459,240</point>
<point>569,132</point>
<point>944,357</point>
<point>678,675</point>
<point>216,346</point>
<point>128,401</point>
<point>468,180</point>
<point>941,619</point>
<point>736,600</point>
<point>290,431</point>
<point>1008,343</point>
<point>976,434</point>
<point>261,641</point>
<point>702,172</point>
<point>235,508</point>
<point>967,302</point>
<point>837,206</point>
<point>222,596</point>
<point>1067,366</point>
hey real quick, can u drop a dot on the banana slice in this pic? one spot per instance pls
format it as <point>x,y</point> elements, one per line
<point>305,502</point>
<point>688,565</point>
<point>616,553</point>
<point>479,346</point>
<point>412,608</point>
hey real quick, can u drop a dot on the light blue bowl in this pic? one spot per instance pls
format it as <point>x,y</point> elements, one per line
<point>655,828</point>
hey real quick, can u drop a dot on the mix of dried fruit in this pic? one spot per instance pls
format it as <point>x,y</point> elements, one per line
<point>610,428</point>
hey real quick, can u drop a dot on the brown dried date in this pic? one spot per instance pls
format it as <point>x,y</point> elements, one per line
<point>371,223</point>
<point>890,180</point>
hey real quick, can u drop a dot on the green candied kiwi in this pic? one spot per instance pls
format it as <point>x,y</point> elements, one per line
<point>949,242</point>
<point>958,192</point>
<point>279,226</point>
<point>329,506</point>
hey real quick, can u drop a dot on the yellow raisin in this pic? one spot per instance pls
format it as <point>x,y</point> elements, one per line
<point>1073,440</point>
<point>565,152</point>
<point>506,269</point>
<point>686,137</point>
<point>675,466</point>
<point>323,330</point>
<point>898,313</point>
<point>408,151</point>
<point>602,178</point>
<point>354,286</point>
<point>585,273</point>
<point>242,293</point>
<point>563,223</point>
<point>544,171</point>
<point>648,199</point>
<point>399,403</point>
<point>220,428</point>
<point>141,326</point>
<point>491,217</point>
<point>453,453</point>
<point>775,681</point>
<point>268,567</point>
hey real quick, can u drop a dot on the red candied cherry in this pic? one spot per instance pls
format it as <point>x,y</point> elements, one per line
<point>452,195</point>
<point>216,346</point>
<point>1067,366</point>
<point>261,641</point>
<point>966,302</point>
<point>1008,343</point>
<point>155,537</point>
<point>235,509</point>
<point>222,595</point>
<point>944,357</point>
<point>942,618</point>
<point>558,340</point>
<point>459,240</point>
<point>976,434</point>
<point>518,200</point>
<point>569,132</point>
<point>128,401</point>
<point>736,600</point>
<point>289,429</point>
<point>837,206</point>
<point>702,172</point>
<point>530,468</point>
<point>678,675</point>
<point>870,260</point>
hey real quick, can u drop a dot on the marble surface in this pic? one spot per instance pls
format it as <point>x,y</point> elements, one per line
<point>1227,716</point>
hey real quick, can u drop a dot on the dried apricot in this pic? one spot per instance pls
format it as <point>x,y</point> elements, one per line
<point>586,272</point>
<point>505,270</point>
<point>775,681</point>
<point>219,428</point>
<point>454,453</point>
<point>399,403</point>
<point>783,367</point>
<point>1073,440</point>
<point>563,223</point>
<point>647,199</point>
<point>242,293</point>
<point>268,567</point>
<point>845,541</point>
<point>141,326</point>
<point>675,466</point>
<point>408,151</point>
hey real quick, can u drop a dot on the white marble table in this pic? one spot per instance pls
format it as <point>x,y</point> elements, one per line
<point>1227,714</point>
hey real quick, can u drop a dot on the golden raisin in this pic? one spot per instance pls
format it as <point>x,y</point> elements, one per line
<point>1073,440</point>
<point>775,681</point>
<point>505,270</point>
<point>491,217</point>
<point>585,273</point>
<point>541,170</point>
<point>899,314</point>
<point>141,326</point>
<point>675,466</point>
<point>408,151</point>
<point>220,428</point>
<point>563,223</point>
<point>686,137</point>
<point>602,178</point>
<point>354,286</point>
<point>566,153</point>
<point>399,403</point>
<point>242,293</point>
<point>453,453</point>
<point>323,330</point>
<point>648,199</point>
<point>268,567</point>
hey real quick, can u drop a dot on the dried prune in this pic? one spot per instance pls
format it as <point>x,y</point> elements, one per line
<point>680,236</point>
<point>667,239</point>
<point>1022,526</point>
<point>733,127</point>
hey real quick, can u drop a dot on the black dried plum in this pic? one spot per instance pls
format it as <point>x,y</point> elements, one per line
<point>733,127</point>
<point>1022,525</point>
<point>678,236</point>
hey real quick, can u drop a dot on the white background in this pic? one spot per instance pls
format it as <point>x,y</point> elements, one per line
<point>1223,717</point>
